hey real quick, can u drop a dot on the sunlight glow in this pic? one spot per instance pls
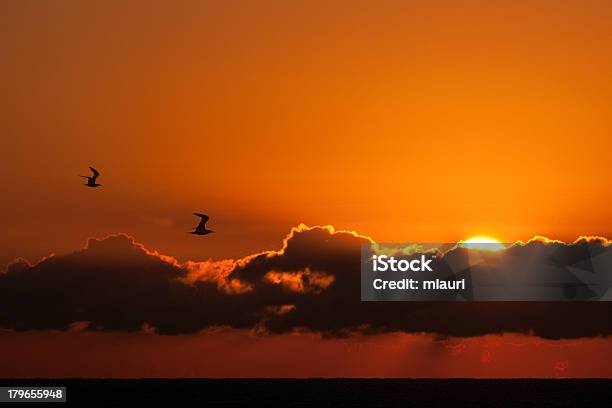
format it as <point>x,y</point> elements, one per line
<point>482,243</point>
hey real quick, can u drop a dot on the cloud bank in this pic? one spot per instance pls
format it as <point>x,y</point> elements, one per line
<point>311,284</point>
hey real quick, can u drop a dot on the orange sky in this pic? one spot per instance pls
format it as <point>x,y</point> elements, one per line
<point>405,121</point>
<point>235,353</point>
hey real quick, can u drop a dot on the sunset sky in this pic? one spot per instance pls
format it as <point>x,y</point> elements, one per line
<point>406,121</point>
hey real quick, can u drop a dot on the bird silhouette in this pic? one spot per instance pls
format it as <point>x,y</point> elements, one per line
<point>201,228</point>
<point>91,180</point>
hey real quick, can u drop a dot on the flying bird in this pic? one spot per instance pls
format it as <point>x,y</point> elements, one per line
<point>201,228</point>
<point>91,180</point>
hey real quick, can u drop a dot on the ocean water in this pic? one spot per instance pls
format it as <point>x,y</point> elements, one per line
<point>328,392</point>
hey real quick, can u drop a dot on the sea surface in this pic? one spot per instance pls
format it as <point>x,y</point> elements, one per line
<point>327,392</point>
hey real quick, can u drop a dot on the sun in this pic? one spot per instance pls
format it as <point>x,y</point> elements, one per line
<point>482,243</point>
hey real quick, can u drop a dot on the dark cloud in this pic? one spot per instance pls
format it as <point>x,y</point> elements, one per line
<point>114,284</point>
<point>312,283</point>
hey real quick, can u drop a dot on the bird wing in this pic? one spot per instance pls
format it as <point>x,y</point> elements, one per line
<point>95,172</point>
<point>204,218</point>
